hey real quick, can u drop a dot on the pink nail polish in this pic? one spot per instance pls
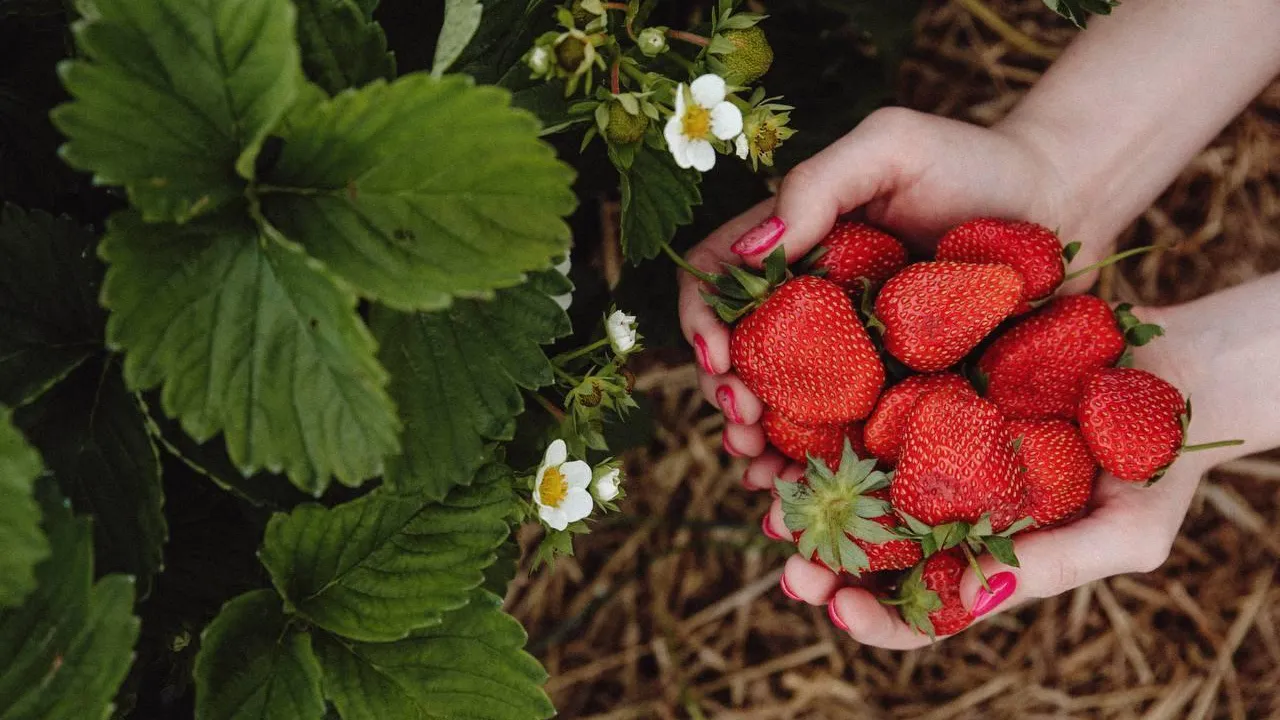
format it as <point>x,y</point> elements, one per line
<point>760,238</point>
<point>704,355</point>
<point>835,616</point>
<point>728,446</point>
<point>786,590</point>
<point>724,397</point>
<point>1002,586</point>
<point>767,528</point>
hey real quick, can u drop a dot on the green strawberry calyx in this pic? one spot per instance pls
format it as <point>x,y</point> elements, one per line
<point>971,538</point>
<point>915,601</point>
<point>831,509</point>
<point>738,291</point>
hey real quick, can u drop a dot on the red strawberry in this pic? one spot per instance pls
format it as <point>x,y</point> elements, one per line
<point>1033,250</point>
<point>823,441</point>
<point>892,555</point>
<point>1037,369</point>
<point>929,598</point>
<point>934,313</point>
<point>1058,468</point>
<point>956,463</point>
<point>883,431</point>
<point>805,353</point>
<point>1132,421</point>
<point>854,251</point>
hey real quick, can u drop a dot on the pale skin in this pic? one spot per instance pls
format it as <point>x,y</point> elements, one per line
<point>1091,146</point>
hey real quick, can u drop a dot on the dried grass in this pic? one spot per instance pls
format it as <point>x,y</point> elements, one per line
<point>672,610</point>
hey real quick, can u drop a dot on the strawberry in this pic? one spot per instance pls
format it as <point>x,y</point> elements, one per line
<point>883,432</point>
<point>1032,250</point>
<point>799,441</point>
<point>854,251</point>
<point>934,313</point>
<point>1132,421</point>
<point>1057,465</point>
<point>1037,369</point>
<point>929,598</point>
<point>842,519</point>
<point>805,353</point>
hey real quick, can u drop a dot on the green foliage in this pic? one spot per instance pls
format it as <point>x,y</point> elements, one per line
<point>461,21</point>
<point>657,198</point>
<point>341,46</point>
<point>20,535</point>
<point>1078,11</point>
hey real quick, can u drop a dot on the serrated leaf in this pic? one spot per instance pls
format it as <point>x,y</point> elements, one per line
<point>456,377</point>
<point>461,20</point>
<point>23,541</point>
<point>1001,548</point>
<point>94,439</point>
<point>422,190</point>
<point>377,568</point>
<point>173,98</point>
<point>50,321</point>
<point>254,665</point>
<point>1070,250</point>
<point>1078,11</point>
<point>657,198</point>
<point>341,46</point>
<point>471,665</point>
<point>252,339</point>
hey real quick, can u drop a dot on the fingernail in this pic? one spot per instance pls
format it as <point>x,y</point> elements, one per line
<point>1002,586</point>
<point>760,238</point>
<point>704,355</point>
<point>728,446</point>
<point>787,590</point>
<point>834,614</point>
<point>767,528</point>
<point>724,396</point>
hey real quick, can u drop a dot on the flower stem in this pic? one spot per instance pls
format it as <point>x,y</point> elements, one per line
<point>1108,261</point>
<point>973,563</point>
<point>634,74</point>
<point>1007,32</point>
<point>614,6</point>
<point>684,265</point>
<point>688,37</point>
<point>613,75</point>
<point>575,354</point>
<point>1211,445</point>
<point>549,406</point>
<point>565,376</point>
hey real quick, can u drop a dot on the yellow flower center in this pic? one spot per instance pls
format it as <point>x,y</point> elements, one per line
<point>766,138</point>
<point>697,122</point>
<point>553,488</point>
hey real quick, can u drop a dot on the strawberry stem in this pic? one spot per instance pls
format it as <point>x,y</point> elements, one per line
<point>563,358</point>
<point>684,265</point>
<point>973,563</point>
<point>1108,261</point>
<point>1211,445</point>
<point>688,37</point>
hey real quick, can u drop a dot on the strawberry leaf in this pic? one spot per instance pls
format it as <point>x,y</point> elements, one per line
<point>341,47</point>
<point>657,198</point>
<point>915,601</point>
<point>1078,11</point>
<point>1136,332</point>
<point>1070,250</point>
<point>24,543</point>
<point>1001,548</point>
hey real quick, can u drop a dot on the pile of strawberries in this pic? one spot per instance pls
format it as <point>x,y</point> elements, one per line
<point>942,406</point>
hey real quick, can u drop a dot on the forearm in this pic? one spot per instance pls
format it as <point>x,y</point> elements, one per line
<point>1137,95</point>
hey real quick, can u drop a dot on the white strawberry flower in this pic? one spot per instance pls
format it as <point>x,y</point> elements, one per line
<point>605,487</point>
<point>702,114</point>
<point>621,329</point>
<point>560,488</point>
<point>741,146</point>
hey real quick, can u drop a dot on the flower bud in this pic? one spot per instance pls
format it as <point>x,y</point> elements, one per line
<point>652,41</point>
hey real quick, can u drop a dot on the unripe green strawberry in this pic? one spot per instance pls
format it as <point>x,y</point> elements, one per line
<point>1132,421</point>
<point>1058,468</point>
<point>929,598</point>
<point>1032,250</point>
<point>853,251</point>
<point>624,128</point>
<point>751,57</point>
<point>883,431</point>
<point>798,442</point>
<point>805,353</point>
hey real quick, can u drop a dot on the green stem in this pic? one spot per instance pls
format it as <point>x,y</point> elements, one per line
<point>1109,261</point>
<point>575,354</point>
<point>892,601</point>
<point>683,62</point>
<point>689,38</point>
<point>1211,445</point>
<point>565,376</point>
<point>550,407</point>
<point>973,563</point>
<point>684,265</point>
<point>634,73</point>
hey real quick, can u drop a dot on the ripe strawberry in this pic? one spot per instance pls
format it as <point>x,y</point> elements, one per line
<point>883,431</point>
<point>929,598</point>
<point>842,519</point>
<point>1033,250</point>
<point>1037,369</point>
<point>1132,421</point>
<point>934,313</point>
<point>956,463</point>
<point>822,441</point>
<point>854,251</point>
<point>1057,465</point>
<point>805,353</point>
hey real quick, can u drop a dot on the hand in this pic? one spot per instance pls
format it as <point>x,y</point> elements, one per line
<point>912,174</point>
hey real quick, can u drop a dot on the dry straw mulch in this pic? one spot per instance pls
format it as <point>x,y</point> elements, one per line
<point>673,610</point>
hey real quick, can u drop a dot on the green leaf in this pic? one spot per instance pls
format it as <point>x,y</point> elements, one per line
<point>20,535</point>
<point>1001,548</point>
<point>457,375</point>
<point>1078,11</point>
<point>1070,250</point>
<point>341,46</point>
<point>461,20</point>
<point>657,198</point>
<point>93,437</point>
<point>382,566</point>
<point>252,339</point>
<point>50,321</point>
<point>254,664</point>
<point>422,190</point>
<point>67,648</point>
<point>472,665</point>
<point>173,98</point>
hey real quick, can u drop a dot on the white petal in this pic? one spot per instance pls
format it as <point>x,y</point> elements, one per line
<point>708,91</point>
<point>726,121</point>
<point>557,453</point>
<point>577,505</point>
<point>606,487</point>
<point>577,474</point>
<point>700,155</point>
<point>677,143</point>
<point>679,102</point>
<point>620,327</point>
<point>741,146</point>
<point>554,517</point>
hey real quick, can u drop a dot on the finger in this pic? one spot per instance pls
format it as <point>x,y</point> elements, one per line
<point>743,440</point>
<point>728,393</point>
<point>808,581</point>
<point>762,470</point>
<point>858,613</point>
<point>774,524</point>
